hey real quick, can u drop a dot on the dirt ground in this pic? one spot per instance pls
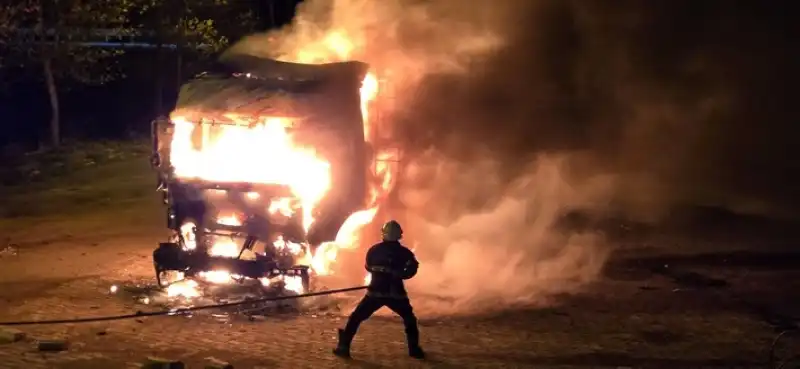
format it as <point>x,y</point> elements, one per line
<point>668,299</point>
<point>648,312</point>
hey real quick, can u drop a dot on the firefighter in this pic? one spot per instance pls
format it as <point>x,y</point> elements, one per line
<point>389,263</point>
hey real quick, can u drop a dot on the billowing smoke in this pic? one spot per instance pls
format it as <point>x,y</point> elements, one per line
<point>403,39</point>
<point>687,103</point>
<point>512,113</point>
<point>485,243</point>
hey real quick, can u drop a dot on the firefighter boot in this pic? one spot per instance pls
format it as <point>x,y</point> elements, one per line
<point>412,339</point>
<point>343,347</point>
<point>416,352</point>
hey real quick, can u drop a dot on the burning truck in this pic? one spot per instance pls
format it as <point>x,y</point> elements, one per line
<point>260,164</point>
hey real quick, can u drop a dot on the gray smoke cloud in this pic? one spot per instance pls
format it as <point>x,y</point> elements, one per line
<point>485,244</point>
<point>512,113</point>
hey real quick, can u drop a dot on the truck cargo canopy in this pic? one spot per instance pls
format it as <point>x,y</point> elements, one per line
<point>252,85</point>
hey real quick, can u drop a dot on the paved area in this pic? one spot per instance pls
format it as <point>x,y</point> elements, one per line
<point>633,318</point>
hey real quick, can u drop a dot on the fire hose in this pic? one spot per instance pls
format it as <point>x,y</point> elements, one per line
<point>177,311</point>
<point>773,362</point>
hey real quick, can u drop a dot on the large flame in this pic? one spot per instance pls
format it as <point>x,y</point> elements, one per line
<point>232,154</point>
<point>336,46</point>
<point>237,153</point>
<point>346,238</point>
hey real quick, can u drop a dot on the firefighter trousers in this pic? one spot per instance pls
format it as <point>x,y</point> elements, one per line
<point>370,304</point>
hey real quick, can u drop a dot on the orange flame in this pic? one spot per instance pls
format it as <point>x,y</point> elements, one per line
<point>338,46</point>
<point>230,157</point>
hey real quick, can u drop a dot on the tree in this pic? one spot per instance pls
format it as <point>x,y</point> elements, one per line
<point>51,34</point>
<point>49,37</point>
<point>198,29</point>
<point>12,19</point>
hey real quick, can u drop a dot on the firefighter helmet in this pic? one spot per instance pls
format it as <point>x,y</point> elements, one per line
<point>391,231</point>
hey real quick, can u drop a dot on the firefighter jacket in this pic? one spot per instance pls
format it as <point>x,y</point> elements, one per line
<point>390,263</point>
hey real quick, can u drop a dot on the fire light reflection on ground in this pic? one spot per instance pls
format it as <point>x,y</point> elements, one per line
<point>199,293</point>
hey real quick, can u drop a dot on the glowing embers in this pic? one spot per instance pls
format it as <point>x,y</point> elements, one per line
<point>190,288</point>
<point>183,288</point>
<point>233,245</point>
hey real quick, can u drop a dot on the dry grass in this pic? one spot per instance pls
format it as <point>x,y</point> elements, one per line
<point>77,190</point>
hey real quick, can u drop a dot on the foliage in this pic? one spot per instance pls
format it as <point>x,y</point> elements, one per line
<point>79,19</point>
<point>50,39</point>
<point>13,17</point>
<point>186,23</point>
<point>54,30</point>
<point>193,25</point>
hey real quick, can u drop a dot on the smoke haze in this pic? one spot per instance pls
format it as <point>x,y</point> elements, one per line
<point>511,113</point>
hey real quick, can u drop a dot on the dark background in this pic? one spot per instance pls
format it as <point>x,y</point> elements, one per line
<point>700,93</point>
<point>118,109</point>
<point>697,96</point>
